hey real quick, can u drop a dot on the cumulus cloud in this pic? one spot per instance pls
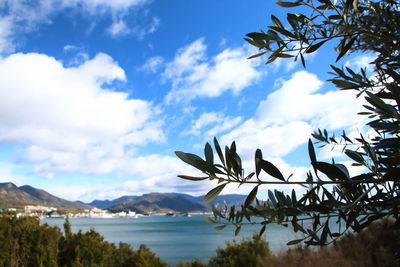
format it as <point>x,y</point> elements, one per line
<point>65,117</point>
<point>288,115</point>
<point>25,16</point>
<point>361,61</point>
<point>153,64</point>
<point>210,124</point>
<point>193,75</point>
<point>298,99</point>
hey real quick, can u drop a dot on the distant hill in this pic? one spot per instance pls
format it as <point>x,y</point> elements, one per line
<point>165,202</point>
<point>230,199</point>
<point>105,204</point>
<point>17,197</point>
<point>159,202</point>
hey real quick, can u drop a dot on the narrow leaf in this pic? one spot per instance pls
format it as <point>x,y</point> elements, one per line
<point>332,171</point>
<point>214,193</point>
<point>287,4</point>
<point>294,242</point>
<point>219,151</point>
<point>251,197</point>
<point>314,47</point>
<point>258,159</point>
<point>219,228</point>
<point>237,231</point>
<point>311,151</point>
<point>208,153</point>
<point>257,55</point>
<point>191,178</point>
<point>270,168</point>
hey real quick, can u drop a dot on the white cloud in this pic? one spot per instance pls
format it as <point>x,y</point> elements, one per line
<point>5,34</point>
<point>65,117</point>
<point>286,118</point>
<point>298,100</point>
<point>193,75</point>
<point>103,5</point>
<point>20,16</point>
<point>361,61</point>
<point>118,28</point>
<point>216,123</point>
<point>152,64</point>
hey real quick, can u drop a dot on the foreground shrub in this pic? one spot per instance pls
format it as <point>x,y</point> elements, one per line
<point>248,253</point>
<point>378,245</point>
<point>24,242</point>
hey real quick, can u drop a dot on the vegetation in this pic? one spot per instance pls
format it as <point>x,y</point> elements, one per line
<point>332,195</point>
<point>24,242</point>
<point>376,245</point>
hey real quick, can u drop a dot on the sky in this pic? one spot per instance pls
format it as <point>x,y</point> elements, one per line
<point>96,95</point>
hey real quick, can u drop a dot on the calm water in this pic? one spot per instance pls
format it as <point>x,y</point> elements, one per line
<point>174,239</point>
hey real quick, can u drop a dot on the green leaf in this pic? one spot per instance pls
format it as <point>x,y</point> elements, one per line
<point>237,231</point>
<point>219,228</point>
<point>191,178</point>
<point>377,102</point>
<point>314,47</point>
<point>344,84</point>
<point>311,151</point>
<point>330,170</point>
<point>208,153</point>
<point>272,198</point>
<point>282,31</point>
<point>214,193</point>
<point>287,4</point>
<point>270,168</point>
<point>258,159</point>
<point>343,50</point>
<point>276,21</point>
<point>294,242</point>
<point>198,163</point>
<point>251,197</point>
<point>262,230</point>
<point>354,155</point>
<point>219,151</point>
<point>209,220</point>
<point>256,55</point>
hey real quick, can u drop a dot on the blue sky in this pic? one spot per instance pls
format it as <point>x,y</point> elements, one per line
<point>96,95</point>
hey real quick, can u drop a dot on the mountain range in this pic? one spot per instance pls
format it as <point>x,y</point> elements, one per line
<point>17,197</point>
<point>166,202</point>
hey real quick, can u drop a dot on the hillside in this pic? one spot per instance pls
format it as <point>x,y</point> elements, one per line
<point>17,197</point>
<point>105,204</point>
<point>166,202</point>
<point>159,202</point>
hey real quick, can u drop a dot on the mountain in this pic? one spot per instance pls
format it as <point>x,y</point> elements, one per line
<point>159,202</point>
<point>13,196</point>
<point>105,204</point>
<point>50,200</point>
<point>166,202</point>
<point>230,199</point>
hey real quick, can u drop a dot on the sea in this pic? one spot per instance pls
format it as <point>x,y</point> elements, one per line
<point>175,239</point>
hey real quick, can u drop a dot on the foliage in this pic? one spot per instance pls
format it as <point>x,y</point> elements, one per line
<point>248,252</point>
<point>377,245</point>
<point>24,242</point>
<point>332,194</point>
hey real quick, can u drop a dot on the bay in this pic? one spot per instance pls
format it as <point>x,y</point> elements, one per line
<point>175,239</point>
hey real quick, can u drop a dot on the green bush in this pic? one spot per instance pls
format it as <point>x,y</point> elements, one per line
<point>25,242</point>
<point>247,253</point>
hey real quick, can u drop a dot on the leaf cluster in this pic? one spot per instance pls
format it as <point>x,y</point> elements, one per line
<point>332,196</point>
